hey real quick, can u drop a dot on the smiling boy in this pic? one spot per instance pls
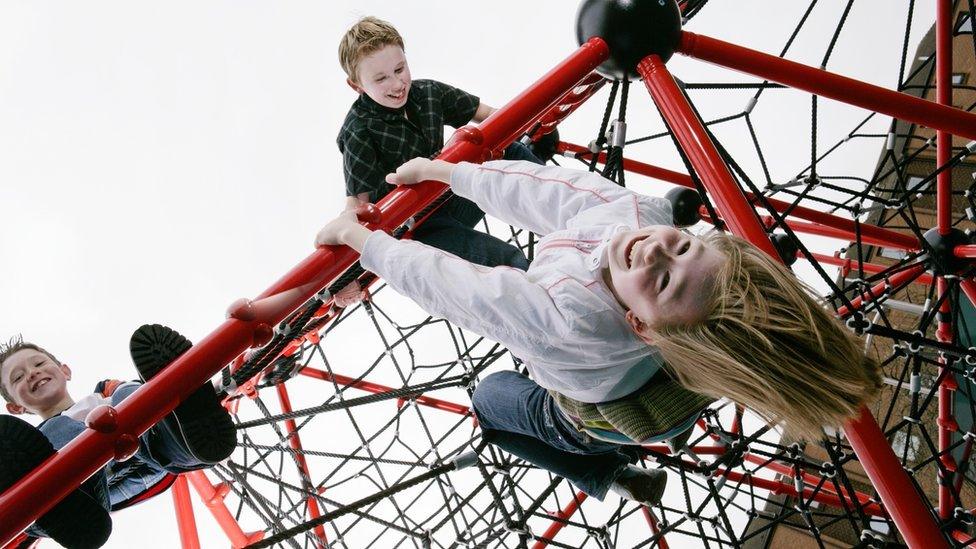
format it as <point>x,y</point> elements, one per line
<point>397,118</point>
<point>198,434</point>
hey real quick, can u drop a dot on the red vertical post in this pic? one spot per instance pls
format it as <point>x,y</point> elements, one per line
<point>185,520</point>
<point>909,512</point>
<point>296,444</point>
<point>943,93</point>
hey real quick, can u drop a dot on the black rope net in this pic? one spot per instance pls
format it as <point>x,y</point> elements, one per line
<point>379,393</point>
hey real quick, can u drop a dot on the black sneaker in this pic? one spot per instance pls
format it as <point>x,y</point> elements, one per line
<point>645,486</point>
<point>76,522</point>
<point>206,427</point>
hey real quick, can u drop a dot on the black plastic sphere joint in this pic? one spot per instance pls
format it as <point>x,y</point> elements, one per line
<point>940,258</point>
<point>786,247</point>
<point>633,29</point>
<point>685,206</point>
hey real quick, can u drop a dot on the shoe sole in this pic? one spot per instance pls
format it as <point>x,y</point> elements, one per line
<point>205,426</point>
<point>76,522</point>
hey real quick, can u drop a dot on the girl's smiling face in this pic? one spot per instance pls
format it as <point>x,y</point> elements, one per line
<point>662,275</point>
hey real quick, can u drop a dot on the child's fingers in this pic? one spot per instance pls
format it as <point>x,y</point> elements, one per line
<point>391,178</point>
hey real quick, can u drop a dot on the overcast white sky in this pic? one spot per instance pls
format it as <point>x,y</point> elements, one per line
<point>160,160</point>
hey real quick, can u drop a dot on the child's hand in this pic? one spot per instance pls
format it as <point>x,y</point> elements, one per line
<point>410,173</point>
<point>348,296</point>
<point>336,231</point>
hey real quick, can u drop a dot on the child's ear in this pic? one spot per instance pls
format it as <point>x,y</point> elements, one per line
<point>639,328</point>
<point>354,86</point>
<point>66,370</point>
<point>15,409</point>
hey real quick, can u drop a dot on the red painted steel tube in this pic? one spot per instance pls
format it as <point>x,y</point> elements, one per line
<point>893,283</point>
<point>849,265</point>
<point>59,475</point>
<point>371,387</point>
<point>907,509</point>
<point>943,94</point>
<point>559,519</point>
<point>909,512</point>
<point>521,113</point>
<point>946,416</point>
<point>969,288</point>
<point>827,84</point>
<point>869,233</point>
<point>185,520</point>
<point>694,141</point>
<point>966,251</point>
<point>662,542</point>
<point>213,497</point>
<point>296,444</point>
<point>568,104</point>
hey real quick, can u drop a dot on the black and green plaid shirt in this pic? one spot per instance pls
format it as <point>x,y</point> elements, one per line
<point>376,140</point>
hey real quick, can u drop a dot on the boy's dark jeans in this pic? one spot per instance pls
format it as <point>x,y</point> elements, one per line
<point>520,417</point>
<point>452,228</point>
<point>160,452</point>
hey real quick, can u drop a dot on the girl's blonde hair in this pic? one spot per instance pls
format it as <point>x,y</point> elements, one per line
<point>768,345</point>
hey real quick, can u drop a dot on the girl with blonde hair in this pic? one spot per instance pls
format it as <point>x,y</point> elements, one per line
<point>628,327</point>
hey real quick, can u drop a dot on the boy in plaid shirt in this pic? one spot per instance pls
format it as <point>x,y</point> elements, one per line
<point>396,119</point>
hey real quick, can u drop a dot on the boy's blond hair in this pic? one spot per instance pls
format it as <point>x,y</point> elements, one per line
<point>768,345</point>
<point>368,35</point>
<point>15,344</point>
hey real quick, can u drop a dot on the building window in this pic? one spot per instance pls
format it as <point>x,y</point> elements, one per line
<point>964,24</point>
<point>914,184</point>
<point>898,445</point>
<point>892,253</point>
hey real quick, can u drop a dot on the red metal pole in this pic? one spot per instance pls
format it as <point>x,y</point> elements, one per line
<point>213,497</point>
<point>966,251</point>
<point>908,510</point>
<point>827,84</point>
<point>559,520</point>
<point>902,502</point>
<point>947,422</point>
<point>892,283</point>
<point>296,444</point>
<point>848,265</point>
<point>662,543</point>
<point>694,141</point>
<point>185,520</point>
<point>943,92</point>
<point>251,321</point>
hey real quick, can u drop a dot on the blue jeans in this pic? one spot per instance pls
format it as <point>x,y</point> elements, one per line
<point>451,228</point>
<point>520,417</point>
<point>161,451</point>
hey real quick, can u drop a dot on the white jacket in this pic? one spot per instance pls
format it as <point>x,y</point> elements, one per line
<point>559,317</point>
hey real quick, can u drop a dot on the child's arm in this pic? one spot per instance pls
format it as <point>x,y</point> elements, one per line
<point>499,303</point>
<point>484,111</point>
<point>541,199</point>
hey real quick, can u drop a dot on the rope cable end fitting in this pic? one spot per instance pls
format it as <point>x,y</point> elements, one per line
<point>890,142</point>
<point>751,104</point>
<point>618,133</point>
<point>467,459</point>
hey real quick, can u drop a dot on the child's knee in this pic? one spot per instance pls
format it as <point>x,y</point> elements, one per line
<point>491,387</point>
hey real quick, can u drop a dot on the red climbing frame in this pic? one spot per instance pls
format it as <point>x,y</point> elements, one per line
<point>113,432</point>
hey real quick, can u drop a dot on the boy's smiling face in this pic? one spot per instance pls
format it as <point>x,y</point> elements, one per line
<point>36,383</point>
<point>384,76</point>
